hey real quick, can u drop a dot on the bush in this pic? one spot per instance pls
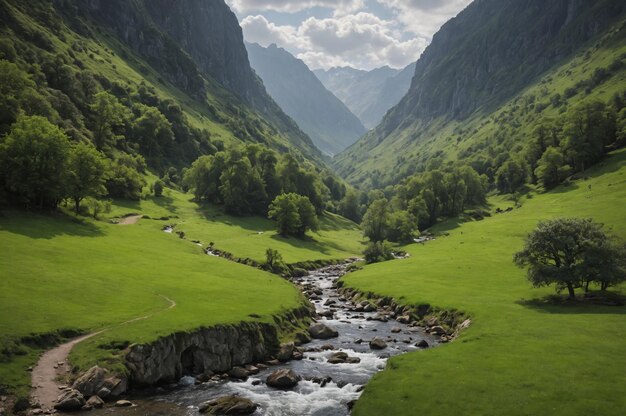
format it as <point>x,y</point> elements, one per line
<point>378,252</point>
<point>157,188</point>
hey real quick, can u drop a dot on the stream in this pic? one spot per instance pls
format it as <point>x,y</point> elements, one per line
<point>325,389</point>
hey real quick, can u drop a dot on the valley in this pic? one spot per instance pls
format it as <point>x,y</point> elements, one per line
<point>303,208</point>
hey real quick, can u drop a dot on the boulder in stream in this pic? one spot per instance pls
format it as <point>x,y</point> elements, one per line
<point>321,331</point>
<point>285,353</point>
<point>378,344</point>
<point>283,379</point>
<point>228,405</point>
<point>422,344</point>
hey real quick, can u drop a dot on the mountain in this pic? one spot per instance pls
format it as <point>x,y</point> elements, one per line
<point>368,94</point>
<point>190,53</point>
<point>320,114</point>
<point>488,78</point>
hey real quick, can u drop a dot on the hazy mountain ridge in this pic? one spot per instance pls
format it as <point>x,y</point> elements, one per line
<point>368,94</point>
<point>320,114</point>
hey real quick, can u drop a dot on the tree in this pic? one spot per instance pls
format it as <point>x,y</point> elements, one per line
<point>551,169</point>
<point>157,188</point>
<point>108,113</point>
<point>294,214</point>
<point>151,129</point>
<point>571,252</point>
<point>349,206</point>
<point>33,161</point>
<point>274,261</point>
<point>510,176</point>
<point>124,180</point>
<point>86,173</point>
<point>376,220</point>
<point>402,227</point>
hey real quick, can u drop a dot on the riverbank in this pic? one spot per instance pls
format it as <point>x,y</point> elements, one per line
<point>522,354</point>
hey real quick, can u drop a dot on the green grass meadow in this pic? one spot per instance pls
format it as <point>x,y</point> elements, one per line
<point>521,356</point>
<point>60,272</point>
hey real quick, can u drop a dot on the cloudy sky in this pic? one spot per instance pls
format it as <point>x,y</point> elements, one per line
<point>364,34</point>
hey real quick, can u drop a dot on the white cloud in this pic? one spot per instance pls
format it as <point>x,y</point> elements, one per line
<point>424,17</point>
<point>361,40</point>
<point>293,6</point>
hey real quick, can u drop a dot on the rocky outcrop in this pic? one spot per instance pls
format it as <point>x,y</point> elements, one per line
<point>70,400</point>
<point>214,349</point>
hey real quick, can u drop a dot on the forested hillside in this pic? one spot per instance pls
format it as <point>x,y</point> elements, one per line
<point>183,67</point>
<point>490,78</point>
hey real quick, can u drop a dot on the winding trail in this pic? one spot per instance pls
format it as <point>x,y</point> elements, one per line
<point>132,219</point>
<point>53,364</point>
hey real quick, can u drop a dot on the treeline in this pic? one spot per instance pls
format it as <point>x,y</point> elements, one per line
<point>245,180</point>
<point>557,147</point>
<point>399,213</point>
<point>40,166</point>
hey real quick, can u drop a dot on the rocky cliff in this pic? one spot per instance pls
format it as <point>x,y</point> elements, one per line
<point>479,61</point>
<point>492,50</point>
<point>196,45</point>
<point>215,349</point>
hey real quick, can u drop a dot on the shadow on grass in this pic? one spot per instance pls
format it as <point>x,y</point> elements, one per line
<point>166,202</point>
<point>609,303</point>
<point>47,226</point>
<point>308,243</point>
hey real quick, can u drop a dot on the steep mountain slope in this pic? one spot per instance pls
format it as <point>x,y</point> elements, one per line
<point>192,54</point>
<point>495,68</point>
<point>320,114</point>
<point>368,94</point>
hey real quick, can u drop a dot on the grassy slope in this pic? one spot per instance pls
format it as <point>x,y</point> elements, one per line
<point>337,237</point>
<point>516,358</point>
<point>404,148</point>
<point>57,273</point>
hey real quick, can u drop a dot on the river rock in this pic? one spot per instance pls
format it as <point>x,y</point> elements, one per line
<point>70,400</point>
<point>437,330</point>
<point>283,379</point>
<point>239,373</point>
<point>422,344</point>
<point>404,319</point>
<point>378,344</point>
<point>285,353</point>
<point>321,331</point>
<point>91,381</point>
<point>228,405</point>
<point>116,386</point>
<point>369,308</point>
<point>123,403</point>
<point>396,330</point>
<point>302,338</point>
<point>95,402</point>
<point>252,369</point>
<point>338,358</point>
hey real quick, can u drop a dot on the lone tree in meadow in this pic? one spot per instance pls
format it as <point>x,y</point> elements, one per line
<point>572,253</point>
<point>294,214</point>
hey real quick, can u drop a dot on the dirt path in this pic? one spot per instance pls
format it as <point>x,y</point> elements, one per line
<point>132,219</point>
<point>53,364</point>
